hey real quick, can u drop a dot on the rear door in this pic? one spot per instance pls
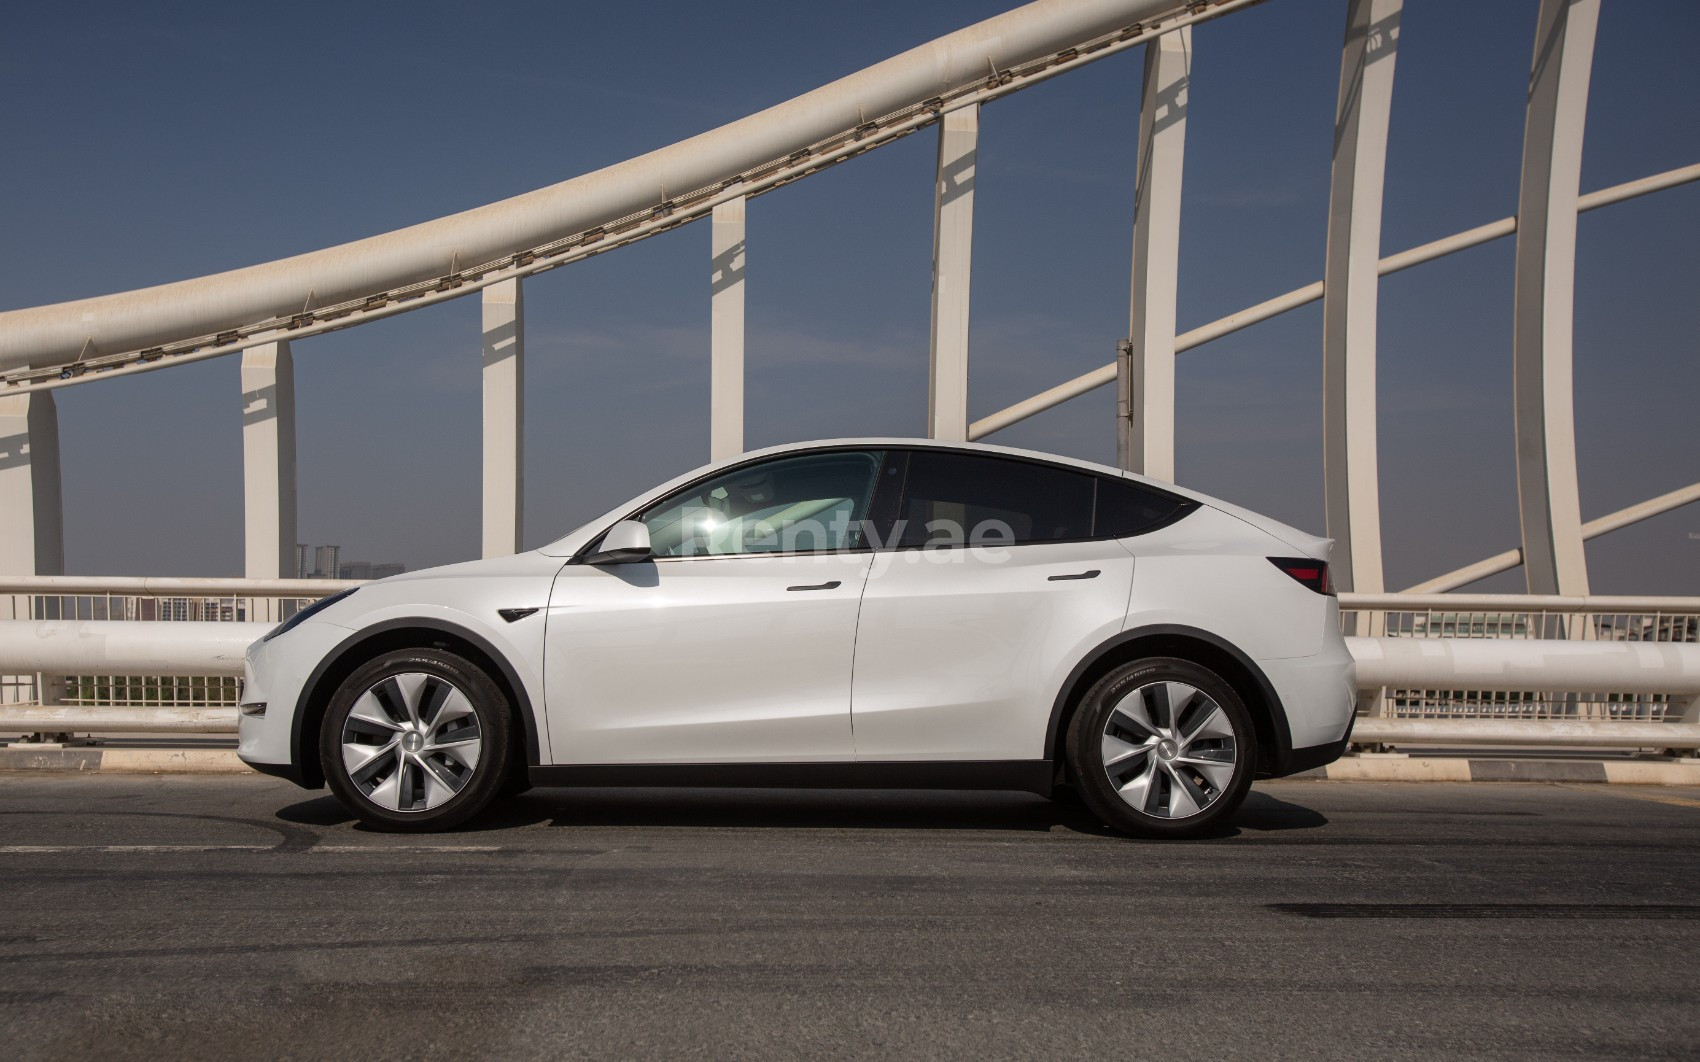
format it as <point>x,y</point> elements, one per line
<point>999,575</point>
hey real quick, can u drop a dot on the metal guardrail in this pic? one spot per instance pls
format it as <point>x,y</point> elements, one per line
<point>1475,679</point>
<point>1541,733</point>
<point>152,685</point>
<point>116,647</point>
<point>59,719</point>
<point>93,655</point>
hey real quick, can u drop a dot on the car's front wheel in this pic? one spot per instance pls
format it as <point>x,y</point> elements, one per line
<point>1162,747</point>
<point>416,740</point>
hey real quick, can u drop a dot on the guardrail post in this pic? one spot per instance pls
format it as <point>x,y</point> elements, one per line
<point>1145,436</point>
<point>50,693</point>
<point>1684,709</point>
<point>504,417</point>
<point>1548,499</point>
<point>268,461</point>
<point>1351,274</point>
<point>953,258</point>
<point>726,331</point>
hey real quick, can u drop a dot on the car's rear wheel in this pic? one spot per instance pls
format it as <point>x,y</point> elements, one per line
<point>416,740</point>
<point>1162,747</point>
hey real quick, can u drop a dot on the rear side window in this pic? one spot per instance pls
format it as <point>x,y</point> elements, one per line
<point>1129,509</point>
<point>956,498</point>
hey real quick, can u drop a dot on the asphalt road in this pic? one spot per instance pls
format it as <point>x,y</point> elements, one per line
<point>215,917</point>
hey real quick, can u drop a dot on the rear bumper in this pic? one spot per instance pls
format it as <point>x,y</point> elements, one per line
<point>1319,698</point>
<point>1314,756</point>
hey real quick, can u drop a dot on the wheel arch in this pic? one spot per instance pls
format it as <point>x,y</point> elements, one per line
<point>409,633</point>
<point>1269,717</point>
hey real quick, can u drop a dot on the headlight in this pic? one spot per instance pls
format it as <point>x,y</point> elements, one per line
<point>307,613</point>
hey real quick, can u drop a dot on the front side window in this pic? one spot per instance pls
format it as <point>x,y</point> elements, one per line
<point>809,503</point>
<point>953,498</point>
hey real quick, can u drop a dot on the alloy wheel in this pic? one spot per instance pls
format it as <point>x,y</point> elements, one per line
<point>411,742</point>
<point>1169,750</point>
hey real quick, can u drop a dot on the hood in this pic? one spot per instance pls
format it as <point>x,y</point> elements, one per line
<point>528,563</point>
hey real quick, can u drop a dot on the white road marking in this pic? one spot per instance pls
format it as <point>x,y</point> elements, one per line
<point>1631,794</point>
<point>40,849</point>
<point>406,848</point>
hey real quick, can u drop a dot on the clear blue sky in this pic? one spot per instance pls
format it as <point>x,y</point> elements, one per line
<point>147,143</point>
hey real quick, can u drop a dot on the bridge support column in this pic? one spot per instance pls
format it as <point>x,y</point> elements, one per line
<point>268,462</point>
<point>32,540</point>
<point>1145,422</point>
<point>953,259</point>
<point>726,331</point>
<point>1548,499</point>
<point>1350,279</point>
<point>504,417</point>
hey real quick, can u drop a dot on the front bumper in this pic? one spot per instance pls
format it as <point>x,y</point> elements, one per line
<point>294,772</point>
<point>274,673</point>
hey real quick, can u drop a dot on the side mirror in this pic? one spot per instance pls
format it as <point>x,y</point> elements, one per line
<point>627,542</point>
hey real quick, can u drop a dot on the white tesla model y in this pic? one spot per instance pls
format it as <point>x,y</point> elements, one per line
<point>890,613</point>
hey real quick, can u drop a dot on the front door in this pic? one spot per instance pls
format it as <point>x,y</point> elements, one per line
<point>735,643</point>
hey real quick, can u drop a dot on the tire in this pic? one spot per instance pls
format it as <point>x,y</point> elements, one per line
<point>1146,773</point>
<point>518,783</point>
<point>416,740</point>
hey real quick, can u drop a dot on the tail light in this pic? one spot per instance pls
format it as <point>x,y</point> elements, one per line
<point>1313,574</point>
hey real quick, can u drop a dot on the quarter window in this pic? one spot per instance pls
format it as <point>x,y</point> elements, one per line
<point>808,503</point>
<point>1126,509</point>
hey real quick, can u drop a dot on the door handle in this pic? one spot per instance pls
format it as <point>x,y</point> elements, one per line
<point>833,585</point>
<point>1091,574</point>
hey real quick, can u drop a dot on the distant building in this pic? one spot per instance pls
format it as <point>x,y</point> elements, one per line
<point>356,570</point>
<point>325,562</point>
<point>371,569</point>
